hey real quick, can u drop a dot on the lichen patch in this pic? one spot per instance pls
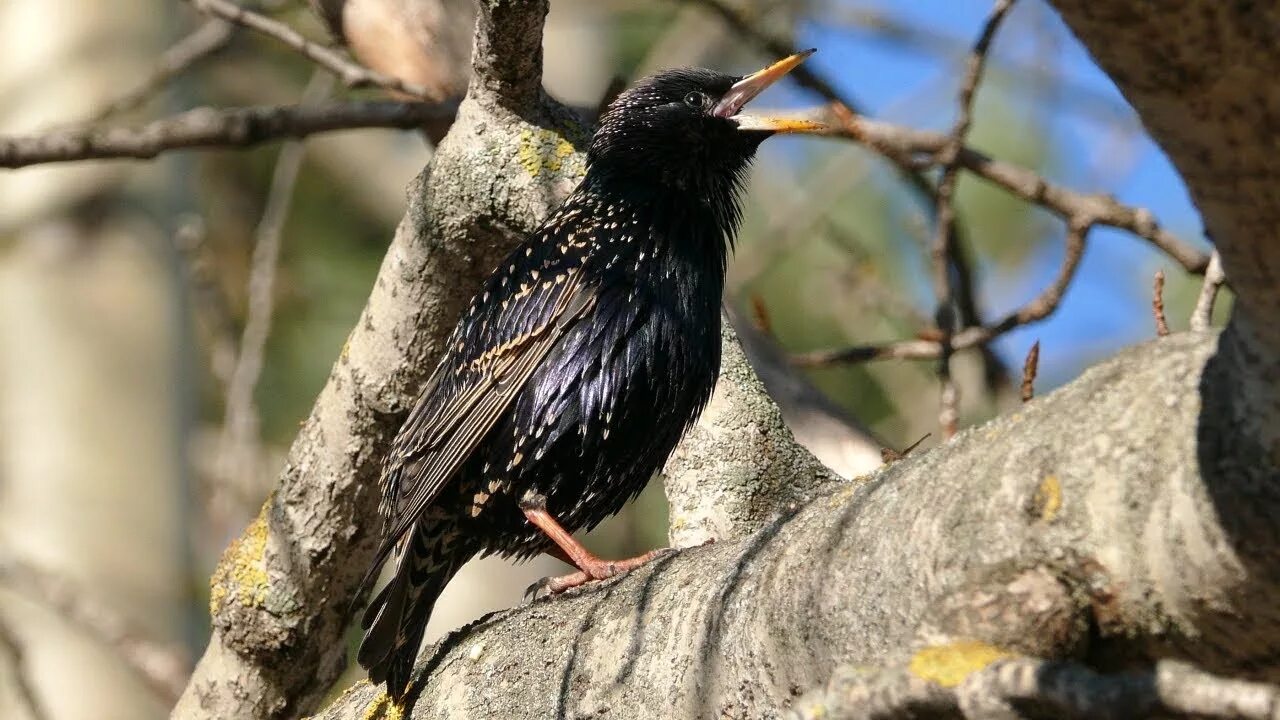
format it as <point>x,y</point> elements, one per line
<point>1047,500</point>
<point>241,575</point>
<point>948,665</point>
<point>545,151</point>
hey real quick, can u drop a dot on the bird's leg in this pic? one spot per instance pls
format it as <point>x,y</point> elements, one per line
<point>590,566</point>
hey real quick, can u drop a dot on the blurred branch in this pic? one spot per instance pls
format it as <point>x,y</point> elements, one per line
<point>351,73</point>
<point>208,301</point>
<point>240,451</point>
<point>10,644</point>
<point>1039,308</point>
<point>204,41</point>
<point>1202,315</point>
<point>164,669</point>
<point>219,128</point>
<point>966,301</point>
<point>944,246</point>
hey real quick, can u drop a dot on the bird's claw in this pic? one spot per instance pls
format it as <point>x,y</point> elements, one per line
<point>531,592</point>
<point>593,572</point>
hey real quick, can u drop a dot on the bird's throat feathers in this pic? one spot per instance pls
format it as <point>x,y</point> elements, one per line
<point>699,209</point>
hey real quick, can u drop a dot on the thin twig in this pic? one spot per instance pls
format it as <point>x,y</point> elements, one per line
<point>944,247</point>
<point>806,77</point>
<point>351,73</point>
<point>1029,369</point>
<point>26,693</point>
<point>1157,304</point>
<point>209,303</point>
<point>218,128</point>
<point>240,449</point>
<point>163,668</point>
<point>1039,308</point>
<point>889,455</point>
<point>204,41</point>
<point>1202,315</point>
<point>898,142</point>
<point>948,155</point>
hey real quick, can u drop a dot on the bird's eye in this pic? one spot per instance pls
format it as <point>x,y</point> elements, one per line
<point>695,99</point>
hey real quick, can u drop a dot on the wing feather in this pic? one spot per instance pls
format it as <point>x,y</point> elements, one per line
<point>455,413</point>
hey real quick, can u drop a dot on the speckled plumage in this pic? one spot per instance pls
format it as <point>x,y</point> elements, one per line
<point>580,362</point>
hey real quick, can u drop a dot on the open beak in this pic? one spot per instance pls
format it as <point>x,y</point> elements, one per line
<point>742,92</point>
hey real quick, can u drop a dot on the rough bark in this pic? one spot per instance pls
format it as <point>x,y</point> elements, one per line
<point>1121,519</point>
<point>280,594</point>
<point>1042,533</point>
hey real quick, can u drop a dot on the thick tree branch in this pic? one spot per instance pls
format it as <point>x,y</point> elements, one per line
<point>205,128</point>
<point>1012,688</point>
<point>280,594</point>
<point>1127,517</point>
<point>1013,533</point>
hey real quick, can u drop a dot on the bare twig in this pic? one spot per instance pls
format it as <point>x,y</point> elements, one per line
<point>163,668</point>
<point>1029,369</point>
<point>897,142</point>
<point>888,455</point>
<point>204,41</point>
<point>1039,308</point>
<point>240,451</point>
<point>1157,304</point>
<point>949,154</point>
<point>10,644</point>
<point>944,249</point>
<point>209,302</point>
<point>220,128</point>
<point>1202,315</point>
<point>960,268</point>
<point>351,73</point>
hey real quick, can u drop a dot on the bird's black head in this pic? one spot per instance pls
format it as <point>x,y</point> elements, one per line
<point>684,126</point>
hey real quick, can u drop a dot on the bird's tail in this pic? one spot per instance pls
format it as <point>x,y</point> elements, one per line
<point>396,619</point>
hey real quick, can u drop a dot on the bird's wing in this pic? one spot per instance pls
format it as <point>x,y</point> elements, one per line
<point>488,363</point>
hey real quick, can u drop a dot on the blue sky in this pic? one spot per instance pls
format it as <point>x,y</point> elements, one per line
<point>1100,145</point>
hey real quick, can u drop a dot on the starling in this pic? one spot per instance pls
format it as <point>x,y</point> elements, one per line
<point>581,361</point>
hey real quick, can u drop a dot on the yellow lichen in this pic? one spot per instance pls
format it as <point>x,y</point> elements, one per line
<point>948,665</point>
<point>543,150</point>
<point>241,574</point>
<point>383,708</point>
<point>1048,498</point>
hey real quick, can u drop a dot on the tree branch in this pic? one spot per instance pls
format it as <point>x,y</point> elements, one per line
<point>806,77</point>
<point>351,73</point>
<point>163,669</point>
<point>1002,542</point>
<point>1013,688</point>
<point>205,128</point>
<point>1202,315</point>
<point>1039,308</point>
<point>206,40</point>
<point>279,597</point>
<point>944,247</point>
